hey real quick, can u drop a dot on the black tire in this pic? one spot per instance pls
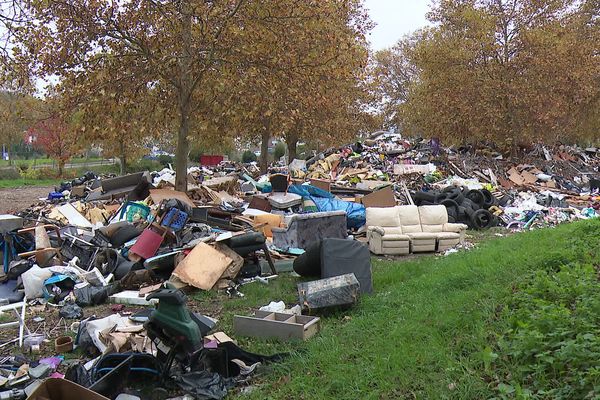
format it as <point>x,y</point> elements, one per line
<point>469,212</point>
<point>424,196</point>
<point>476,196</point>
<point>462,214</point>
<point>441,197</point>
<point>488,198</point>
<point>482,219</point>
<point>466,203</point>
<point>451,207</point>
<point>451,219</point>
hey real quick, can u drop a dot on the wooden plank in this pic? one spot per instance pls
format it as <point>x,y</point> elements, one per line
<point>279,325</point>
<point>248,326</point>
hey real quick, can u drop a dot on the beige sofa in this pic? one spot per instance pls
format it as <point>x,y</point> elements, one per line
<point>384,232</point>
<point>411,229</point>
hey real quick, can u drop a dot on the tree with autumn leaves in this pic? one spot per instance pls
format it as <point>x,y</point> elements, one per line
<point>54,137</point>
<point>513,72</point>
<point>181,61</point>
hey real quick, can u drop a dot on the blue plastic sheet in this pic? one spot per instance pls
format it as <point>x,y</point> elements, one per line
<point>325,201</point>
<point>355,213</point>
<point>309,191</point>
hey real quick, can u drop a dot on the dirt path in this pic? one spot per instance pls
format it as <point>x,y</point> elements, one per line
<point>15,199</point>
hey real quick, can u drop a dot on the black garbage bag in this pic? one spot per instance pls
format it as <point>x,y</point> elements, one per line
<point>92,296</point>
<point>204,384</point>
<point>71,311</point>
<point>78,374</point>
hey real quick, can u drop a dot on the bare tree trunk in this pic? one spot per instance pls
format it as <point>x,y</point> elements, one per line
<point>61,165</point>
<point>181,152</point>
<point>123,156</point>
<point>264,146</point>
<point>292,142</point>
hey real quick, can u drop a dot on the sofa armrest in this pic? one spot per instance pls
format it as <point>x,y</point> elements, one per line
<point>451,227</point>
<point>376,229</point>
<point>457,228</point>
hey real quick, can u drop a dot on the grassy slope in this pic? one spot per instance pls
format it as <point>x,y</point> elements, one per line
<point>421,335</point>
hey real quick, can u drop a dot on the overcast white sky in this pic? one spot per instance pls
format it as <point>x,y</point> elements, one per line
<point>394,19</point>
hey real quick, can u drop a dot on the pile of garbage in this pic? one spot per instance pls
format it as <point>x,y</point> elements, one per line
<point>106,273</point>
<point>561,183</point>
<point>117,256</point>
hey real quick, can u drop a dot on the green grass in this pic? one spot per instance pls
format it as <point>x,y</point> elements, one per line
<point>47,161</point>
<point>14,183</point>
<point>74,172</point>
<point>425,333</point>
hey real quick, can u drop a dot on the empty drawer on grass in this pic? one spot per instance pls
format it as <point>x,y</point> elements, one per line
<point>277,325</point>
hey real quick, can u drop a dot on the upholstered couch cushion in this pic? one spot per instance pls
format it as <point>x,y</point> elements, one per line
<point>409,219</point>
<point>433,218</point>
<point>383,216</point>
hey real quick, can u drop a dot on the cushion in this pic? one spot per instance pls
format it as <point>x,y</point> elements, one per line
<point>393,231</point>
<point>409,219</point>
<point>396,244</point>
<point>433,218</point>
<point>422,235</point>
<point>382,216</point>
<point>389,238</point>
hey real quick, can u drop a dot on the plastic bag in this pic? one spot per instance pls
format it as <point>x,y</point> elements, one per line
<point>33,281</point>
<point>71,311</point>
<point>356,215</point>
<point>204,384</point>
<point>307,191</point>
<point>92,296</point>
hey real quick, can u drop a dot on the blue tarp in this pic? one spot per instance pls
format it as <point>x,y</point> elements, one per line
<point>325,201</point>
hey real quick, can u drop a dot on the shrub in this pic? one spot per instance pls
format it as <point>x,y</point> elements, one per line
<point>248,156</point>
<point>144,165</point>
<point>23,167</point>
<point>9,174</point>
<point>165,160</point>
<point>279,151</point>
<point>30,174</point>
<point>49,173</point>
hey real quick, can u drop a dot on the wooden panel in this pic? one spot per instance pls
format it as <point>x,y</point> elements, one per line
<point>278,325</point>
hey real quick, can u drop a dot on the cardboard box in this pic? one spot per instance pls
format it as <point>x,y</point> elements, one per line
<point>381,198</point>
<point>62,389</point>
<point>321,184</point>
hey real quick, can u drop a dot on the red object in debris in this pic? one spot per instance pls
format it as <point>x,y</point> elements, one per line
<point>210,161</point>
<point>148,242</point>
<point>117,307</point>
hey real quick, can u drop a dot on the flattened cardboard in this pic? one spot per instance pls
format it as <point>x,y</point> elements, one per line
<point>62,389</point>
<point>203,267</point>
<point>158,195</point>
<point>528,177</point>
<point>321,184</point>
<point>515,177</point>
<point>380,198</point>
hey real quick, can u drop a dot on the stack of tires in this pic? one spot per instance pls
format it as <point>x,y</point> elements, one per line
<point>469,207</point>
